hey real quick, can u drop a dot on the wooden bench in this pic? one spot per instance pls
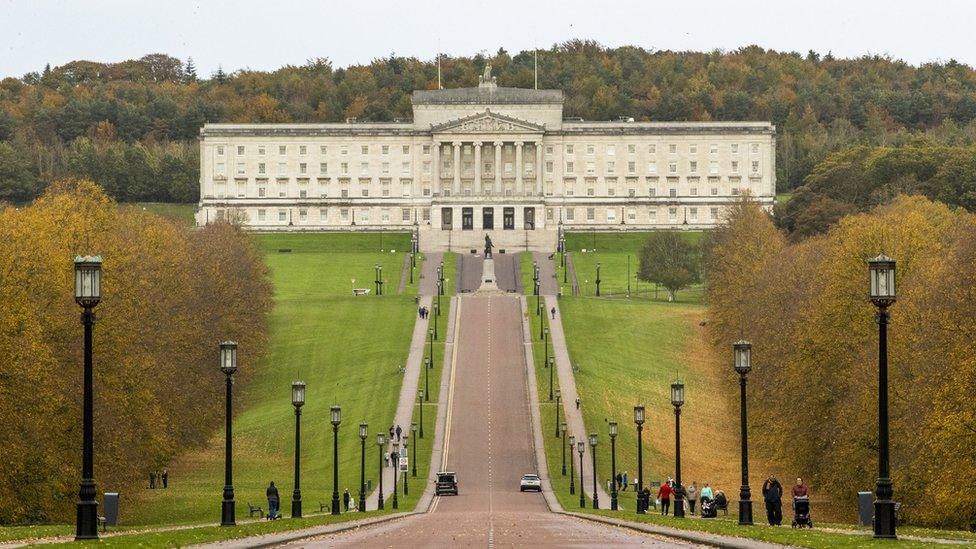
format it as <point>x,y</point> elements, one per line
<point>360,291</point>
<point>104,522</point>
<point>251,509</point>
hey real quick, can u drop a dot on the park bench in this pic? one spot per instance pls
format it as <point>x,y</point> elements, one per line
<point>322,506</point>
<point>104,522</point>
<point>251,509</point>
<point>360,291</point>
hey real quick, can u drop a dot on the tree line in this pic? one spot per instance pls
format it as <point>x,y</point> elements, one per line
<point>819,103</point>
<point>814,387</point>
<point>170,294</point>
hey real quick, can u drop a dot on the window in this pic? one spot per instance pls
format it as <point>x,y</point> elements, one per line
<point>693,166</point>
<point>590,149</point>
<point>652,149</point>
<point>611,215</point>
<point>713,213</point>
<point>427,167</point>
<point>673,215</point>
<point>631,167</point>
<point>652,167</point>
<point>302,149</point>
<point>323,168</point>
<point>364,214</point>
<point>569,149</point>
<point>755,166</point>
<point>652,215</point>
<point>303,215</point>
<point>672,148</point>
<point>530,168</point>
<point>570,167</point>
<point>713,148</point>
<point>714,191</point>
<point>385,168</point>
<point>590,168</point>
<point>262,192</point>
<point>385,215</point>
<point>570,214</point>
<point>611,167</point>
<point>282,149</point>
<point>611,150</point>
<point>734,148</point>
<point>672,167</point>
<point>220,151</point>
<point>261,168</point>
<point>303,193</point>
<point>590,214</point>
<point>426,149</point>
<point>364,168</point>
<point>323,214</point>
<point>405,214</point>
<point>693,214</point>
<point>631,214</point>
<point>220,169</point>
<point>693,191</point>
<point>344,168</point>
<point>302,167</point>
<point>240,168</point>
<point>735,166</point>
<point>406,187</point>
<point>282,168</point>
<point>589,191</point>
<point>260,150</point>
<point>364,149</point>
<point>241,188</point>
<point>365,192</point>
<point>611,191</point>
<point>323,149</point>
<point>344,214</point>
<point>240,150</point>
<point>385,149</point>
<point>261,215</point>
<point>672,192</point>
<point>693,149</point>
<point>713,167</point>
<point>651,191</point>
<point>425,214</point>
<point>344,150</point>
<point>405,149</point>
<point>550,167</point>
<point>282,215</point>
<point>405,168</point>
<point>548,149</point>
<point>632,149</point>
<point>426,191</point>
<point>735,191</point>
<point>508,167</point>
<point>755,148</point>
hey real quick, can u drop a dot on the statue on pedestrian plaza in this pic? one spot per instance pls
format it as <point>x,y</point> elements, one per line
<point>488,247</point>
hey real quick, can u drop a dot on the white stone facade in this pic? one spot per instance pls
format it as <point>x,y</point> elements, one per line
<point>501,161</point>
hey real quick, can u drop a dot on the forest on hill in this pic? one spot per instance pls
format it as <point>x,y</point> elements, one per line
<point>132,125</point>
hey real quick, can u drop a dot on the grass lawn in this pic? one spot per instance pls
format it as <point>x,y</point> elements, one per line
<point>177,211</point>
<point>347,349</point>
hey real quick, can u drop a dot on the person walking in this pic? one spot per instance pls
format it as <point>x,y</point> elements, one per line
<point>345,499</point>
<point>386,455</point>
<point>624,481</point>
<point>772,492</point>
<point>399,432</point>
<point>705,494</point>
<point>152,480</point>
<point>577,403</point>
<point>272,493</point>
<point>692,493</point>
<point>619,479</point>
<point>391,433</point>
<point>664,494</point>
<point>553,312</point>
<point>165,478</point>
<point>800,489</point>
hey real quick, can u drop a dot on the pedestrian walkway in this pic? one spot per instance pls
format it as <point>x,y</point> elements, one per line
<point>548,284</point>
<point>572,274</point>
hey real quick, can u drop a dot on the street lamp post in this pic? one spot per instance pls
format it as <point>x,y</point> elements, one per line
<point>420,404</point>
<point>559,397</point>
<point>376,279</point>
<point>336,413</point>
<point>427,378</point>
<point>413,428</point>
<point>430,341</point>
<point>297,400</point>
<point>639,420</point>
<point>437,304</point>
<point>396,472</point>
<point>538,299</point>
<point>552,366</point>
<point>406,487</point>
<point>579,448</point>
<point>363,433</point>
<point>535,278</point>
<point>413,263</point>
<point>88,293</point>
<point>545,346</point>
<point>380,444</point>
<point>565,269</point>
<point>882,293</point>
<point>563,444</point>
<point>613,465</point>
<point>440,278</point>
<point>742,360</point>
<point>598,280</point>
<point>228,365</point>
<point>596,496</point>
<point>381,279</point>
<point>677,399</point>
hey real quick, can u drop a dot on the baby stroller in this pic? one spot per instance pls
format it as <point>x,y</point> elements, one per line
<point>709,509</point>
<point>801,512</point>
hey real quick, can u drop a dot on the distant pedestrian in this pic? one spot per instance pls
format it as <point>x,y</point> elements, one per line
<point>165,478</point>
<point>386,455</point>
<point>800,489</point>
<point>664,494</point>
<point>618,480</point>
<point>272,493</point>
<point>152,480</point>
<point>705,494</point>
<point>772,492</point>
<point>420,312</point>
<point>391,432</point>
<point>345,499</point>
<point>577,403</point>
<point>553,312</point>
<point>692,493</point>
<point>399,432</point>
<point>624,479</point>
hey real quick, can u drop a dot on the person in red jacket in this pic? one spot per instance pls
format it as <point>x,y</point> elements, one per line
<point>800,489</point>
<point>664,494</point>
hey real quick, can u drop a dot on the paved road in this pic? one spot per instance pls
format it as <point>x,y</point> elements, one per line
<point>471,267</point>
<point>490,447</point>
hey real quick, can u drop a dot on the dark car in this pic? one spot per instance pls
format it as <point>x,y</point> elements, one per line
<point>447,483</point>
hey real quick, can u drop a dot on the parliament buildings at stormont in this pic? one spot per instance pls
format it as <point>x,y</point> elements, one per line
<point>485,160</point>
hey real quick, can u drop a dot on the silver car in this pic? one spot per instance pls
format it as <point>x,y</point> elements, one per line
<point>530,482</point>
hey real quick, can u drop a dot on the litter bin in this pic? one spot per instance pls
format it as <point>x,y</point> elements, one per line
<point>865,507</point>
<point>111,508</point>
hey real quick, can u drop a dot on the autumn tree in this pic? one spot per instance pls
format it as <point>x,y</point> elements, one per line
<point>670,260</point>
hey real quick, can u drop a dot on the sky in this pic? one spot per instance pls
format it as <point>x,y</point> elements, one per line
<point>266,34</point>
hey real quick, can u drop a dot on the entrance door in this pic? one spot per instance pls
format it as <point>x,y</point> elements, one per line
<point>488,218</point>
<point>529,214</point>
<point>509,220</point>
<point>467,219</point>
<point>447,219</point>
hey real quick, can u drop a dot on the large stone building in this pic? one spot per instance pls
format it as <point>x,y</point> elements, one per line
<point>494,160</point>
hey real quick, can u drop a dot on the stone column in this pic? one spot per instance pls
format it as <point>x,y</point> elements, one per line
<point>538,168</point>
<point>498,167</point>
<point>519,169</point>
<point>457,168</point>
<point>477,167</point>
<point>436,169</point>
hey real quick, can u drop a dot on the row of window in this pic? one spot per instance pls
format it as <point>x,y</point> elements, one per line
<point>323,149</point>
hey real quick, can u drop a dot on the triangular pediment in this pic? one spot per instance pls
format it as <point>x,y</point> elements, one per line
<point>487,122</point>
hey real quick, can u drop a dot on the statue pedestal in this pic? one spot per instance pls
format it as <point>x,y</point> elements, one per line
<point>488,283</point>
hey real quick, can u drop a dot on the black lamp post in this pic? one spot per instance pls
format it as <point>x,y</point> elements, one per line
<point>882,272</point>
<point>535,278</point>
<point>440,278</point>
<point>363,433</point>
<point>565,269</point>
<point>420,404</point>
<point>579,448</point>
<point>552,367</point>
<point>413,263</point>
<point>336,413</point>
<point>396,472</point>
<point>598,280</point>
<point>381,279</point>
<point>376,278</point>
<point>437,304</point>
<point>88,292</point>
<point>596,496</point>
<point>677,399</point>
<point>413,428</point>
<point>427,378</point>
<point>563,444</point>
<point>639,420</point>
<point>406,451</point>
<point>297,400</point>
<point>545,346</point>
<point>613,465</point>
<point>430,341</point>
<point>742,360</point>
<point>228,365</point>
<point>559,397</point>
<point>538,299</point>
<point>543,331</point>
<point>380,443</point>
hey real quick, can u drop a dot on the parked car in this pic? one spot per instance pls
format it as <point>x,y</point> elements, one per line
<point>447,483</point>
<point>530,482</point>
